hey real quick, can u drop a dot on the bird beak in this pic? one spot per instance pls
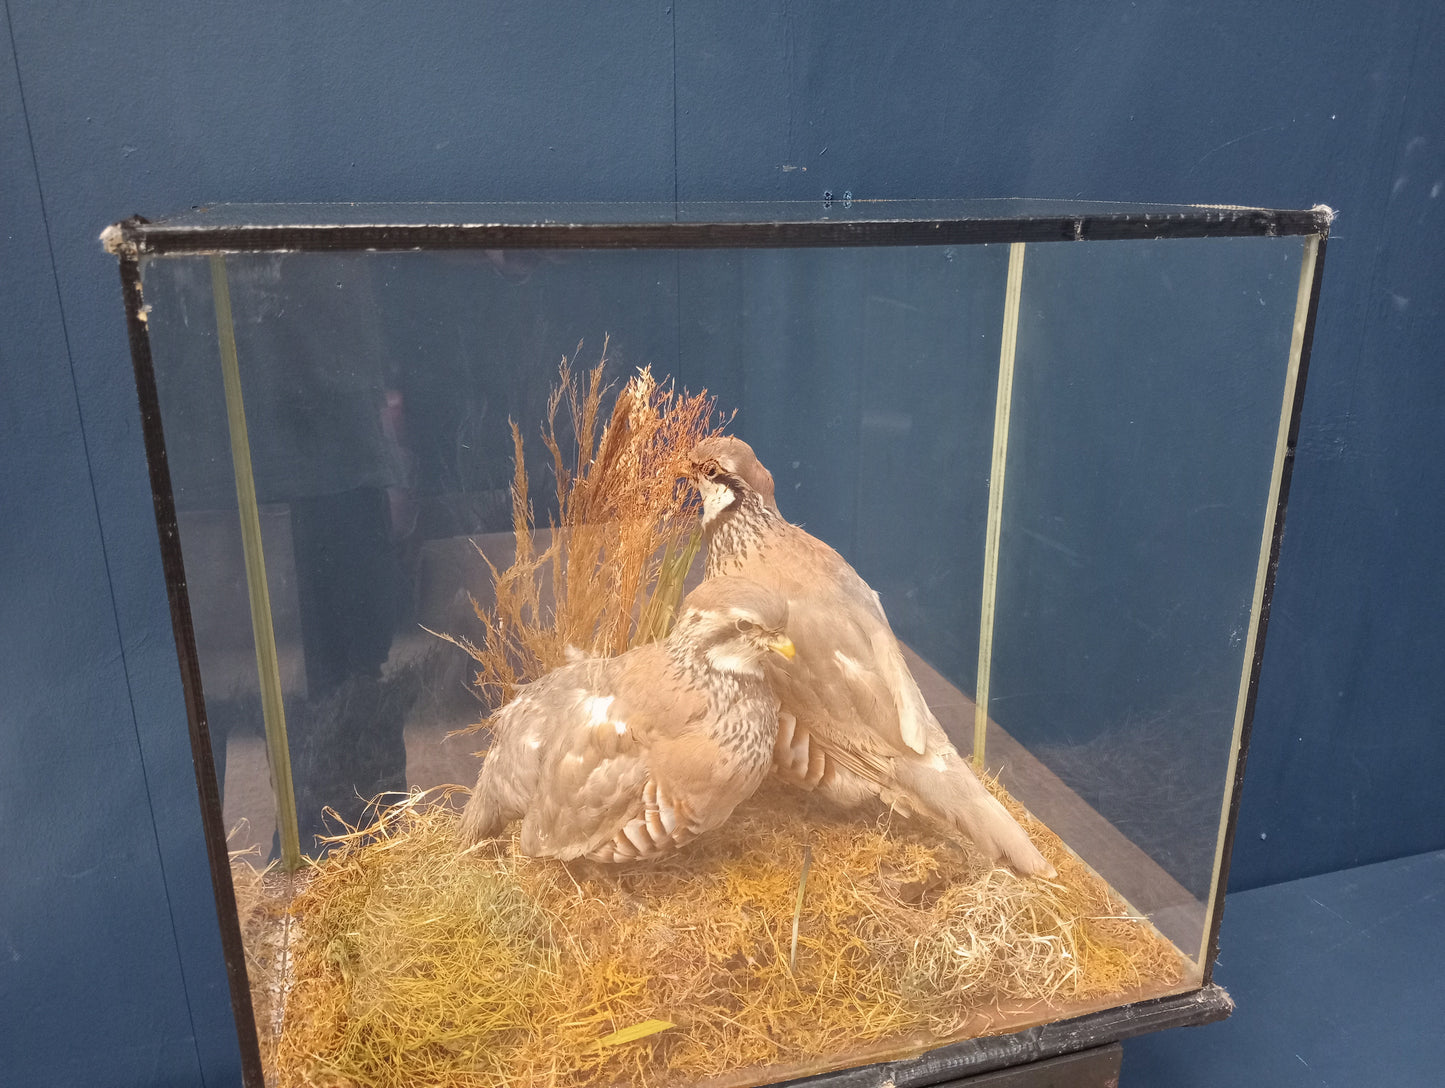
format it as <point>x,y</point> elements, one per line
<point>783,645</point>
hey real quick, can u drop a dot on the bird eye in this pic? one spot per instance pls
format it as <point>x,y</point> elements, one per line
<point>711,470</point>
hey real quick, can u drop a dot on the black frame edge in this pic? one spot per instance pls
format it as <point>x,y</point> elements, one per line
<point>162,238</point>
<point>202,759</point>
<point>1276,541</point>
<point>1049,1040</point>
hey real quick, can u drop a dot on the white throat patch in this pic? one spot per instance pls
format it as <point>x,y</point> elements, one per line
<point>716,498</point>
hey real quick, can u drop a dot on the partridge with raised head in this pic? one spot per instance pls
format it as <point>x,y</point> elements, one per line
<point>626,758</point>
<point>853,723</point>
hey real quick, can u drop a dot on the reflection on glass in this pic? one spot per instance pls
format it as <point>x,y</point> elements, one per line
<point>1146,401</point>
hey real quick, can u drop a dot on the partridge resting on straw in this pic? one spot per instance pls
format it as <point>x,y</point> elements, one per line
<point>852,722</point>
<point>629,757</point>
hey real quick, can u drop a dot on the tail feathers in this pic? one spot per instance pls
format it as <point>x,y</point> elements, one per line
<point>484,815</point>
<point>506,782</point>
<point>478,822</point>
<point>949,792</point>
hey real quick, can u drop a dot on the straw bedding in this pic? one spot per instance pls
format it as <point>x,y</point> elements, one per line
<point>412,963</point>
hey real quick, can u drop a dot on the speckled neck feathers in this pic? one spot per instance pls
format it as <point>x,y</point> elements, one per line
<point>742,706</point>
<point>737,532</point>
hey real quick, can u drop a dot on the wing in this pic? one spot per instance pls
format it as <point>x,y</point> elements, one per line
<point>849,681</point>
<point>610,786</point>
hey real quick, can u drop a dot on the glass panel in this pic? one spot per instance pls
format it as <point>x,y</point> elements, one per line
<point>1147,393</point>
<point>377,394</point>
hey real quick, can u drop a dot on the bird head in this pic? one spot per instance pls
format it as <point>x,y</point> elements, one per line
<point>734,623</point>
<point>725,470</point>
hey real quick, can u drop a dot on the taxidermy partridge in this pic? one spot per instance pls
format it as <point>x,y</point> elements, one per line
<point>629,757</point>
<point>852,723</point>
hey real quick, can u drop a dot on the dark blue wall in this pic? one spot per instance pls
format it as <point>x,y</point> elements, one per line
<point>109,961</point>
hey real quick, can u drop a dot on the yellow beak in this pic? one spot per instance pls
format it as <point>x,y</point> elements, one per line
<point>783,645</point>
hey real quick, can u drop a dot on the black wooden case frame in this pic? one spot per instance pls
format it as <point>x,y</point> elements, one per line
<point>840,222</point>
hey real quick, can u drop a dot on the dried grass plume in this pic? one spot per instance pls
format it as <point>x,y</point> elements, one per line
<point>608,573</point>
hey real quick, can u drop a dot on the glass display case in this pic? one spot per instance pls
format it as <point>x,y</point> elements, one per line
<point>1055,438</point>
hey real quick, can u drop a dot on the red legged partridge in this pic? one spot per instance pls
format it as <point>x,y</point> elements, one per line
<point>852,723</point>
<point>626,758</point>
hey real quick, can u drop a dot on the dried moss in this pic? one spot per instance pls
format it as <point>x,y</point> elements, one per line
<point>415,964</point>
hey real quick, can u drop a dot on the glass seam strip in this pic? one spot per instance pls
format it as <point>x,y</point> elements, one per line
<point>267,666</point>
<point>1013,292</point>
<point>1296,350</point>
